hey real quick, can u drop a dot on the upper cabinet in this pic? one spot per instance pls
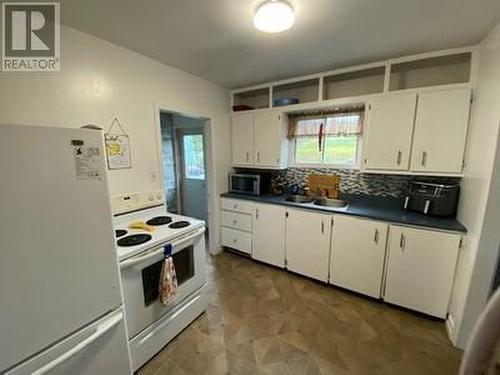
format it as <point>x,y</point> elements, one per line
<point>389,132</point>
<point>440,131</point>
<point>424,132</point>
<point>242,149</point>
<point>258,139</point>
<point>416,122</point>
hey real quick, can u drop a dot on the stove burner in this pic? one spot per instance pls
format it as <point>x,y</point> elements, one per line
<point>179,224</point>
<point>133,239</point>
<point>159,220</point>
<point>120,233</point>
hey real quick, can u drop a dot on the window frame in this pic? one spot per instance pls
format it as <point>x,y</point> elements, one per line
<point>355,166</point>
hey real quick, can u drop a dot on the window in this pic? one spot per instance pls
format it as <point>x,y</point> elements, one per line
<point>329,140</point>
<point>193,156</point>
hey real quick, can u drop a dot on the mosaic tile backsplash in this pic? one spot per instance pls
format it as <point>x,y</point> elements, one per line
<point>351,181</point>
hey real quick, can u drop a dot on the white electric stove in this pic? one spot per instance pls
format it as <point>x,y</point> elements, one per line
<point>165,229</point>
<point>141,254</point>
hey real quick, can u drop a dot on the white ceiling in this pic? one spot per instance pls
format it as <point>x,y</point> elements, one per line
<point>215,39</point>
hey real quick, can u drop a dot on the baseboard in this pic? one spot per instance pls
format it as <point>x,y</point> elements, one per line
<point>216,250</point>
<point>450,329</point>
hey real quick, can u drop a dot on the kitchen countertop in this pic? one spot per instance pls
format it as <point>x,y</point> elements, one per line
<point>380,208</point>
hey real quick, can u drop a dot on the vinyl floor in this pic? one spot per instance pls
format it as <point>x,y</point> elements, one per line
<point>262,320</point>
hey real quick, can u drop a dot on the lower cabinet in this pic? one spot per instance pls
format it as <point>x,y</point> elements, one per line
<point>420,269</point>
<point>237,239</point>
<point>308,243</point>
<point>419,264</point>
<point>269,234</point>
<point>357,254</point>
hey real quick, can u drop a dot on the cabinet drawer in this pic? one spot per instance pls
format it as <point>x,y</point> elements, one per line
<point>237,205</point>
<point>236,220</point>
<point>236,239</point>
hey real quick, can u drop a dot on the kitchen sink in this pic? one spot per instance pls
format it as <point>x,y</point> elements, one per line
<point>299,199</point>
<point>329,202</point>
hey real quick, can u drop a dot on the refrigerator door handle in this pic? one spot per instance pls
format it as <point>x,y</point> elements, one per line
<point>100,331</point>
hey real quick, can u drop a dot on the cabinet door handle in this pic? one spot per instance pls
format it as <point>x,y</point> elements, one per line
<point>258,157</point>
<point>256,213</point>
<point>424,158</point>
<point>322,227</point>
<point>402,241</point>
<point>248,156</point>
<point>376,237</point>
<point>400,154</point>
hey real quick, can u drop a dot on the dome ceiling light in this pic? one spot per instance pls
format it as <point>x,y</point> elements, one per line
<point>274,16</point>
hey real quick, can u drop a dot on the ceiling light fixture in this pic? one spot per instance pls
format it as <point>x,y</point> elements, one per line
<point>274,16</point>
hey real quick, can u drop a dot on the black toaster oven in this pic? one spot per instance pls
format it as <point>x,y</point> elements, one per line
<point>433,198</point>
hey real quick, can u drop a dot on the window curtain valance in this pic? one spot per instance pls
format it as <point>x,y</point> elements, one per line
<point>340,122</point>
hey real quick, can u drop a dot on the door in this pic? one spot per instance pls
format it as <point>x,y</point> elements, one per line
<point>194,195</point>
<point>308,243</point>
<point>420,269</point>
<point>58,262</point>
<point>389,132</point>
<point>242,141</point>
<point>100,348</point>
<point>269,234</point>
<point>358,253</point>
<point>440,131</point>
<point>267,136</point>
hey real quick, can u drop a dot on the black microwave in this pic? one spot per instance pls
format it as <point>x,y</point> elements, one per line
<point>249,183</point>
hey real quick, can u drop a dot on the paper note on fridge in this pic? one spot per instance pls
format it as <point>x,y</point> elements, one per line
<point>88,164</point>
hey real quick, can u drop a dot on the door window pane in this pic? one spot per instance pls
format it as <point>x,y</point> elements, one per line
<point>193,156</point>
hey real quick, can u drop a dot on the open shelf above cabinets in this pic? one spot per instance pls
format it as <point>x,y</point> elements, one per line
<point>299,92</point>
<point>252,99</point>
<point>414,73</point>
<point>356,83</point>
<point>433,71</point>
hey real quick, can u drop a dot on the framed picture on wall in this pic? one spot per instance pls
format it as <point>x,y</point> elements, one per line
<point>118,151</point>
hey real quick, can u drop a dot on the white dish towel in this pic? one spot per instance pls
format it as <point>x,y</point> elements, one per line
<point>168,281</point>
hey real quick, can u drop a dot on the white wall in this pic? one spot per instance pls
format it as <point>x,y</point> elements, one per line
<point>477,258</point>
<point>99,80</point>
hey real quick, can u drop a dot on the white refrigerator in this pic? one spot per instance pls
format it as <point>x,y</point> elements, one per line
<point>60,300</point>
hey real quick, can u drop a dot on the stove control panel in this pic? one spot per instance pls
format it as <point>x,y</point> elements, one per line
<point>135,201</point>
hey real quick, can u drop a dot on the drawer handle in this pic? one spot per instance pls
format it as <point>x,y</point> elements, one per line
<point>376,237</point>
<point>235,240</point>
<point>400,154</point>
<point>235,206</point>
<point>402,242</point>
<point>235,222</point>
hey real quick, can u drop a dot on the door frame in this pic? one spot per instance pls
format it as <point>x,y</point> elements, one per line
<point>180,159</point>
<point>212,198</point>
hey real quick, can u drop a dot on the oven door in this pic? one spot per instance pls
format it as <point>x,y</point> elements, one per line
<point>141,277</point>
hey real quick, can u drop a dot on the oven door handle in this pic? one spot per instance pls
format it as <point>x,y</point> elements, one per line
<point>136,260</point>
